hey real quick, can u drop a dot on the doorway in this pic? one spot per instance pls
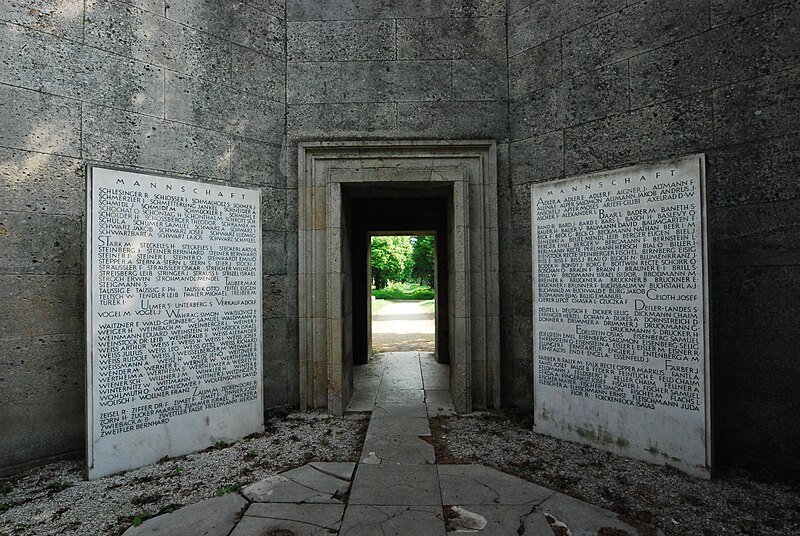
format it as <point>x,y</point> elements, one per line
<point>389,211</point>
<point>402,302</point>
<point>339,184</point>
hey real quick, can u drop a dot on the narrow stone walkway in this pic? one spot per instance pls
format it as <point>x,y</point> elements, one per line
<point>396,489</point>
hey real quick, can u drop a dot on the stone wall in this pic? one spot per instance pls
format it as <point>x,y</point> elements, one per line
<point>187,87</point>
<point>395,70</point>
<point>600,85</point>
<point>224,91</point>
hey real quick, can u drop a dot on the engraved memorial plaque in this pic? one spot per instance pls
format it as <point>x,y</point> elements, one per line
<point>620,312</point>
<point>173,317</point>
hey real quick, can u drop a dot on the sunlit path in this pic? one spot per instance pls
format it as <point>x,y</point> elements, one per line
<point>403,326</point>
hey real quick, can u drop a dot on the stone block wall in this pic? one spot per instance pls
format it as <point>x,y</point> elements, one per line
<point>224,91</point>
<point>600,85</point>
<point>194,88</point>
<point>405,69</point>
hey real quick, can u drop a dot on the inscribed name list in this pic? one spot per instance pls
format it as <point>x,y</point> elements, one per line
<point>620,319</point>
<point>174,317</point>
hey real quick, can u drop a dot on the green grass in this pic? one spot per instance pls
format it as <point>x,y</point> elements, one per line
<point>404,291</point>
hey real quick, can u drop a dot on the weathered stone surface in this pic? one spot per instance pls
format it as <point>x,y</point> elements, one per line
<point>503,520</point>
<point>274,288</point>
<point>341,40</point>
<point>28,426</point>
<point>737,289</point>
<point>34,305</point>
<point>233,21</point>
<point>753,47</point>
<point>111,135</point>
<point>305,484</point>
<point>273,253</point>
<point>542,21</point>
<point>400,485</point>
<point>521,206</point>
<point>754,172</point>
<point>340,470</point>
<point>380,81</point>
<point>760,362</point>
<point>677,127</point>
<point>635,29</point>
<point>257,163</point>
<point>31,368</point>
<point>297,519</point>
<point>398,407</point>
<point>38,122</point>
<point>572,102</point>
<point>325,119</point>
<point>393,521</point>
<point>127,31</point>
<point>41,244</point>
<point>450,38</point>
<point>725,11</point>
<point>42,62</point>
<point>770,444</point>
<point>378,9</point>
<point>534,68</point>
<point>453,120</point>
<point>477,484</point>
<point>757,234</point>
<point>537,159</point>
<point>398,449</point>
<point>205,104</point>
<point>216,516</point>
<point>273,209</point>
<point>523,300</point>
<point>477,80</point>
<point>276,381</point>
<point>757,108</point>
<point>258,74</point>
<point>581,517</point>
<point>37,182</point>
<point>439,402</point>
<point>394,426</point>
<point>64,19</point>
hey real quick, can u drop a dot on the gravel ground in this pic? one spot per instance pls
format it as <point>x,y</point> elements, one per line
<point>55,499</point>
<point>645,495</point>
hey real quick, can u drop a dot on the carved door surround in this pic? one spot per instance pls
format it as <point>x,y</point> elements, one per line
<point>468,169</point>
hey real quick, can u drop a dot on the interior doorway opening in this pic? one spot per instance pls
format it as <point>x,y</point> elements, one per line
<point>453,185</point>
<point>402,301</point>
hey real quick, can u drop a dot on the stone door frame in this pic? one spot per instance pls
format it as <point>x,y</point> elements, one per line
<point>469,170</point>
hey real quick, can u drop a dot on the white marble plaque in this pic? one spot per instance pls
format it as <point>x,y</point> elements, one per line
<point>620,312</point>
<point>173,317</point>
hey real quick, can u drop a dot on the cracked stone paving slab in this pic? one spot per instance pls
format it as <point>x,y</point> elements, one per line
<point>398,485</point>
<point>393,521</point>
<point>212,517</point>
<point>304,484</point>
<point>300,519</point>
<point>476,484</point>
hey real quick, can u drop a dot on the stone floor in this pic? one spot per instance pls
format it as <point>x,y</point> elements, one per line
<point>397,488</point>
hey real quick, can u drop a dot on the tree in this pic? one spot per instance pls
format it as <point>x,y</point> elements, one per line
<point>390,257</point>
<point>423,259</point>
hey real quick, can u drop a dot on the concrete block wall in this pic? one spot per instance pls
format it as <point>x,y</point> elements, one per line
<point>395,70</point>
<point>404,69</point>
<point>224,91</point>
<point>194,88</point>
<point>600,85</point>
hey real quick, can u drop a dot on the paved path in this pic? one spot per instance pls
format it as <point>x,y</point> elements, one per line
<point>403,325</point>
<point>396,489</point>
